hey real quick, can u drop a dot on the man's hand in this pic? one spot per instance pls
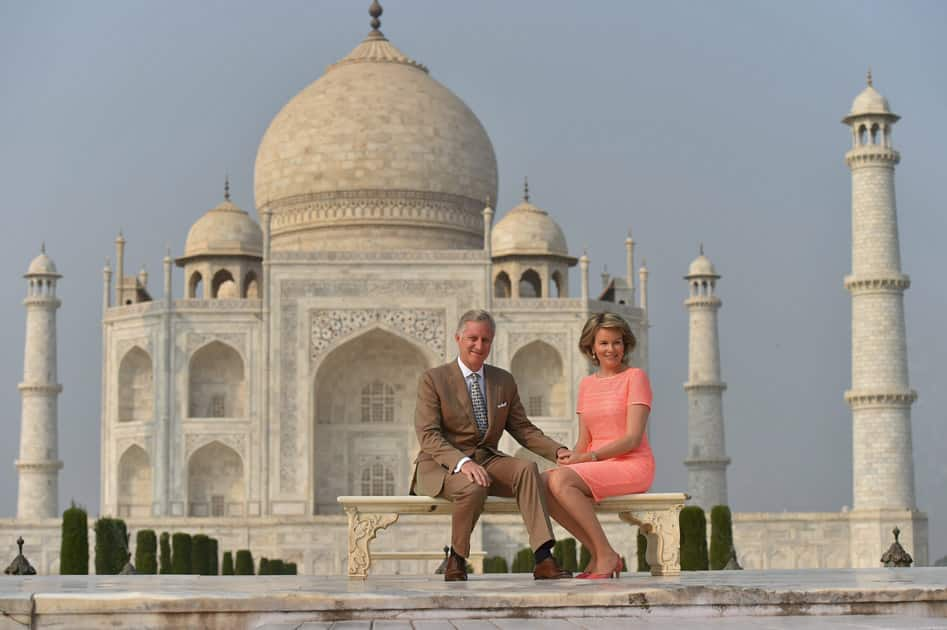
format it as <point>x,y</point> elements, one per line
<point>563,455</point>
<point>476,473</point>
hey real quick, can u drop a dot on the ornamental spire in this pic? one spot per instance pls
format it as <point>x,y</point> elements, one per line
<point>868,76</point>
<point>375,10</point>
<point>526,189</point>
<point>226,187</point>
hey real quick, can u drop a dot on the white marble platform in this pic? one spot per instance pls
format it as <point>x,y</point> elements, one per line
<point>77,602</point>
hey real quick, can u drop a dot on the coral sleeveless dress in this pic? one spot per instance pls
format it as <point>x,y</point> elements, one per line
<point>603,404</point>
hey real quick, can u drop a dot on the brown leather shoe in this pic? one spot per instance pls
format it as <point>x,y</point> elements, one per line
<point>456,569</point>
<point>549,569</point>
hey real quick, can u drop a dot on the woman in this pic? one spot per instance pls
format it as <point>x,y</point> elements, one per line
<point>612,455</point>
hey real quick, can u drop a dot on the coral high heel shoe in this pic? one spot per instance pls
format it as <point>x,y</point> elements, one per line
<point>614,573</point>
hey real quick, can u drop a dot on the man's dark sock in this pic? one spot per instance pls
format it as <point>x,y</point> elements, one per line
<point>544,551</point>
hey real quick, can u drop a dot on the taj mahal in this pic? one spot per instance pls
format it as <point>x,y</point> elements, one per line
<point>283,372</point>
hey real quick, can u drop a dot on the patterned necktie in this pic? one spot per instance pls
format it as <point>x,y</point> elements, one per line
<point>479,404</point>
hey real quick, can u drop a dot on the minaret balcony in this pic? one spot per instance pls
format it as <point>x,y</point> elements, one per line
<point>871,154</point>
<point>877,283</point>
<point>887,398</point>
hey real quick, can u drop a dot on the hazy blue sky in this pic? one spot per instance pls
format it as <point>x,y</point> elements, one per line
<point>685,121</point>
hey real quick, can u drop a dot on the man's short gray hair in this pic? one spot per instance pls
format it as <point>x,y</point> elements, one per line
<point>476,315</point>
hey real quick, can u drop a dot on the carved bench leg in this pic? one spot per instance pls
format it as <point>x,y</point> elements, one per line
<point>362,531</point>
<point>662,529</point>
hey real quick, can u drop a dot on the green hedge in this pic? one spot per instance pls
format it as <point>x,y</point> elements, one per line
<point>643,553</point>
<point>227,568</point>
<point>181,554</point>
<point>111,545</point>
<point>213,555</point>
<point>693,539</point>
<point>291,569</point>
<point>165,556</point>
<point>200,554</point>
<point>585,556</point>
<point>495,564</point>
<point>74,549</point>
<point>564,552</point>
<point>264,568</point>
<point>244,564</point>
<point>524,561</point>
<point>277,567</point>
<point>146,552</point>
<point>721,536</point>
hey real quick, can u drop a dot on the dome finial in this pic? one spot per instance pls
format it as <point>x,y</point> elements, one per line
<point>526,189</point>
<point>375,11</point>
<point>868,76</point>
<point>701,248</point>
<point>42,247</point>
<point>226,187</point>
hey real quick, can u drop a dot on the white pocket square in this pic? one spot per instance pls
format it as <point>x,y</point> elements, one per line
<point>502,405</point>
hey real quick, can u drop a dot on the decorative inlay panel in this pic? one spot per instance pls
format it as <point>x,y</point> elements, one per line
<point>424,325</point>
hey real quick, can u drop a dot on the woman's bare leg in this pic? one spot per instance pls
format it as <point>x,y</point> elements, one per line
<point>574,498</point>
<point>562,516</point>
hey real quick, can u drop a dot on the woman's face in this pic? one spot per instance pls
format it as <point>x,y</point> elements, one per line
<point>609,348</point>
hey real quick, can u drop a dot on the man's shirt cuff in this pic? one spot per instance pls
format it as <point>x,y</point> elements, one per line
<point>460,464</point>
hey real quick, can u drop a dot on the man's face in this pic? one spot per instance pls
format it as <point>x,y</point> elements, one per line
<point>473,344</point>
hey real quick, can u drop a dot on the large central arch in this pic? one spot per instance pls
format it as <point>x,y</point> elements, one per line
<point>363,426</point>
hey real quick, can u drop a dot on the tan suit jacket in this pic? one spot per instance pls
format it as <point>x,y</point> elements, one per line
<point>447,431</point>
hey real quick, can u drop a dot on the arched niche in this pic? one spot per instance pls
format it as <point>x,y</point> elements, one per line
<point>251,286</point>
<point>538,370</point>
<point>557,284</point>
<point>135,386</point>
<point>224,286</point>
<point>364,397</point>
<point>215,483</point>
<point>531,285</point>
<point>502,287</point>
<point>195,286</point>
<point>134,483</point>
<point>216,383</point>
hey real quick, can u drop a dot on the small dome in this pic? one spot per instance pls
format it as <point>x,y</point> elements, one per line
<point>701,266</point>
<point>42,265</point>
<point>224,231</point>
<point>528,230</point>
<point>870,101</point>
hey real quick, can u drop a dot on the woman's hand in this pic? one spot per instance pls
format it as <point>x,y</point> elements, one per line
<point>576,458</point>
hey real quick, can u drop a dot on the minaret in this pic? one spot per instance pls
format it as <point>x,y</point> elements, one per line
<point>707,459</point>
<point>38,465</point>
<point>880,397</point>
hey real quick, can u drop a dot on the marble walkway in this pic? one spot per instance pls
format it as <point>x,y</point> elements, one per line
<point>851,598</point>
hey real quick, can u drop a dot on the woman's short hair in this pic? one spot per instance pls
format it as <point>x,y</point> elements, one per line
<point>606,320</point>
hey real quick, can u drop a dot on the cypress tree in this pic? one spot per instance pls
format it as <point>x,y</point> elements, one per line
<point>165,556</point>
<point>227,568</point>
<point>585,556</point>
<point>291,569</point>
<point>693,539</point>
<point>110,546</point>
<point>643,553</point>
<point>74,549</point>
<point>721,536</point>
<point>495,564</point>
<point>264,566</point>
<point>523,561</point>
<point>213,555</point>
<point>146,552</point>
<point>244,564</point>
<point>181,554</point>
<point>277,567</point>
<point>200,555</point>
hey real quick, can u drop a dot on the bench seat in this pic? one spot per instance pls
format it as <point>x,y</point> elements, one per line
<point>654,514</point>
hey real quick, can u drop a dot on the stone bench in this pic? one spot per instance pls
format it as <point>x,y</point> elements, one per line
<point>656,515</point>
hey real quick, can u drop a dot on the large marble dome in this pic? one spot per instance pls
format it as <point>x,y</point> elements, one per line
<point>375,154</point>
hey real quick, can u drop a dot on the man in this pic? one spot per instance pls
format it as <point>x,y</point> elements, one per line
<point>463,408</point>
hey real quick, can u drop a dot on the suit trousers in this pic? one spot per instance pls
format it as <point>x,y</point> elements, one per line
<point>510,477</point>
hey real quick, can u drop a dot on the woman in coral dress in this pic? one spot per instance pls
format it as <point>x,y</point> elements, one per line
<point>612,455</point>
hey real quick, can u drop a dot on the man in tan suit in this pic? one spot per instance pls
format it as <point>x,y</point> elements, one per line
<point>463,408</point>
